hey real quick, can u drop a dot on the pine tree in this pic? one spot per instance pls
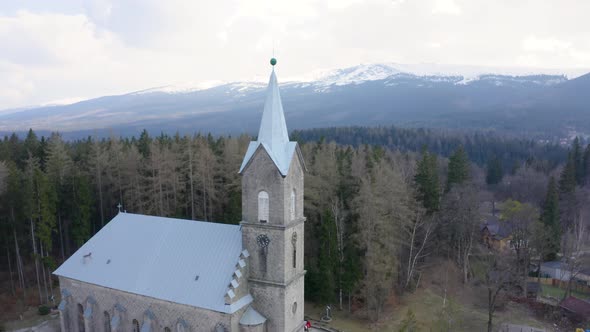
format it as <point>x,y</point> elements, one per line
<point>83,202</point>
<point>31,143</point>
<point>458,172</point>
<point>143,144</point>
<point>351,273</point>
<point>578,160</point>
<point>567,182</point>
<point>327,259</point>
<point>427,183</point>
<point>550,219</point>
<point>495,172</point>
<point>586,166</point>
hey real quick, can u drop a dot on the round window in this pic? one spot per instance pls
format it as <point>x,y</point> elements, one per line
<point>294,307</point>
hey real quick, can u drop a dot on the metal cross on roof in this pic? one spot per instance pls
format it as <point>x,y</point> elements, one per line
<point>119,206</point>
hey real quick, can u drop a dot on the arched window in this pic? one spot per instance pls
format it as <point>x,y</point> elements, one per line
<point>167,329</point>
<point>263,206</point>
<point>107,322</point>
<point>293,199</point>
<point>80,318</point>
<point>135,325</point>
<point>294,243</point>
<point>180,327</point>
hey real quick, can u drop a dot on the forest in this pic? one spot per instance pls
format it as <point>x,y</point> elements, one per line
<point>381,204</point>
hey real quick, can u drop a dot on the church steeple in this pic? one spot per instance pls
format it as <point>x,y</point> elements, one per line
<point>273,129</point>
<point>272,218</point>
<point>273,135</point>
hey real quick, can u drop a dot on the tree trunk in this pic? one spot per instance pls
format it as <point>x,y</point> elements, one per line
<point>50,283</point>
<point>35,256</point>
<point>12,289</point>
<point>190,175</point>
<point>490,310</point>
<point>44,275</point>
<point>349,302</point>
<point>525,276</point>
<point>99,183</point>
<point>19,265</point>
<point>61,238</point>
<point>409,272</point>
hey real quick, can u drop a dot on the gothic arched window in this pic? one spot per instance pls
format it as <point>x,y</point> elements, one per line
<point>263,206</point>
<point>80,318</point>
<point>167,329</point>
<point>294,243</point>
<point>180,326</point>
<point>135,325</point>
<point>293,206</point>
<point>107,322</point>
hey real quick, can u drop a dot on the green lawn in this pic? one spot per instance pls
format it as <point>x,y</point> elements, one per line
<point>557,292</point>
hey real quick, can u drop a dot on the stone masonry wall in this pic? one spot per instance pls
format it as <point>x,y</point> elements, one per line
<point>165,314</point>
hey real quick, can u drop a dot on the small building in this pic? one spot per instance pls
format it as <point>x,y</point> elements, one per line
<point>560,270</point>
<point>576,309</point>
<point>496,233</point>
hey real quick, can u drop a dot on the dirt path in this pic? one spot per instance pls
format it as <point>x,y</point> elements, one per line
<point>51,325</point>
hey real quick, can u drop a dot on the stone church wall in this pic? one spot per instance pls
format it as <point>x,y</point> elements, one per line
<point>159,313</point>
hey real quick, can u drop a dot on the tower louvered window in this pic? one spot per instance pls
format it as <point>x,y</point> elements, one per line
<point>293,210</point>
<point>263,206</point>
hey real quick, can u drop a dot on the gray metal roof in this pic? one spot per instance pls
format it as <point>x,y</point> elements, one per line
<point>554,265</point>
<point>161,258</point>
<point>252,318</point>
<point>273,135</point>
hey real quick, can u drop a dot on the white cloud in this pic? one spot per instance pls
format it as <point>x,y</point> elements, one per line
<point>533,43</point>
<point>446,7</point>
<point>62,49</point>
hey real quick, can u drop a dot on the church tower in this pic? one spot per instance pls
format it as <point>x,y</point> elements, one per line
<point>272,218</point>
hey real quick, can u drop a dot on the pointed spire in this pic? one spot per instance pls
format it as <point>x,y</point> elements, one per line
<point>273,135</point>
<point>273,128</point>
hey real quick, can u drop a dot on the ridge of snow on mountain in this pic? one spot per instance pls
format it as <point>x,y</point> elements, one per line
<point>323,79</point>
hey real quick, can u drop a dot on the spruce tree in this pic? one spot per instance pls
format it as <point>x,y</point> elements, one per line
<point>567,182</point>
<point>586,166</point>
<point>31,143</point>
<point>495,172</point>
<point>458,168</point>
<point>82,212</point>
<point>550,219</point>
<point>327,259</point>
<point>426,180</point>
<point>143,144</point>
<point>578,160</point>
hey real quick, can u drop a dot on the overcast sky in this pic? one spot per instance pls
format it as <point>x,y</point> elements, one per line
<point>62,50</point>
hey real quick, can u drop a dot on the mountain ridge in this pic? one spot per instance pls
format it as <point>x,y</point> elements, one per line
<point>361,95</point>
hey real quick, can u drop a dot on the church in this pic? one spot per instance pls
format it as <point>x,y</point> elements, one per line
<point>146,273</point>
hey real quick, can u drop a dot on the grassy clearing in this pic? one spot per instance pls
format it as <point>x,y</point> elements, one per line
<point>426,304</point>
<point>557,292</point>
<point>468,303</point>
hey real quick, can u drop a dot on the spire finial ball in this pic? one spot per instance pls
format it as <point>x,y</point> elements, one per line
<point>273,61</point>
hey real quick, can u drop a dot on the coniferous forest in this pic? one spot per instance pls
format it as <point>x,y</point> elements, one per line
<point>381,204</point>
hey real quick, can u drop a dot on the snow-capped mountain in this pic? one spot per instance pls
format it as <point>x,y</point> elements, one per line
<point>374,72</point>
<point>510,99</point>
